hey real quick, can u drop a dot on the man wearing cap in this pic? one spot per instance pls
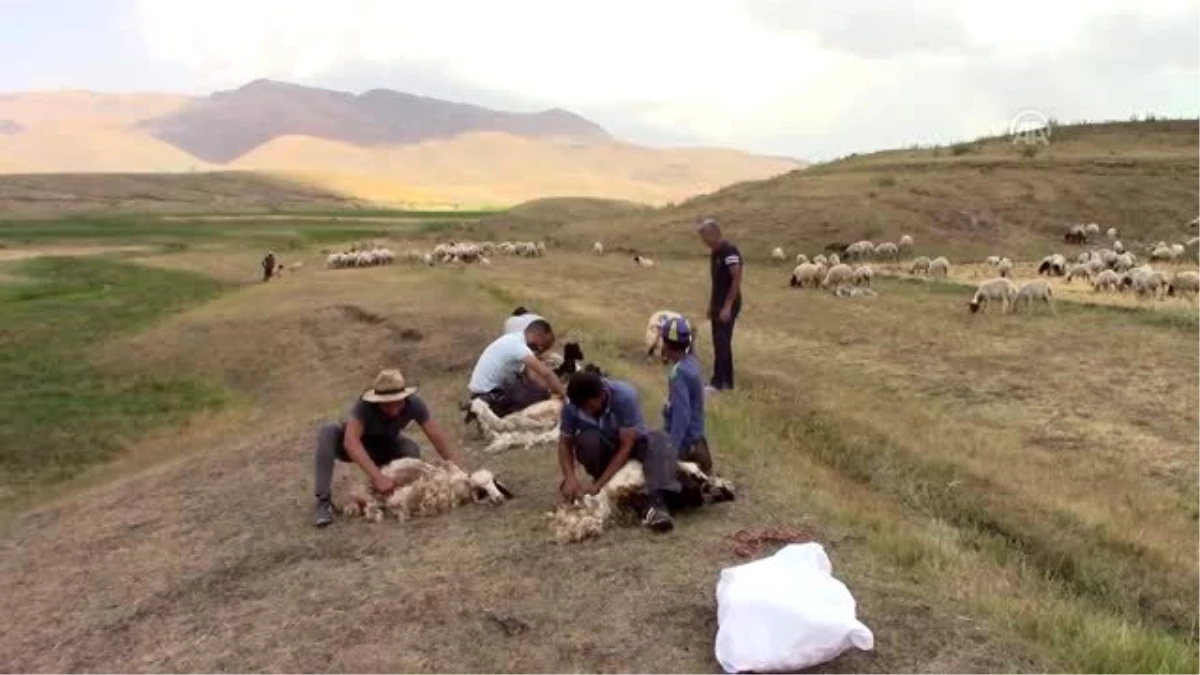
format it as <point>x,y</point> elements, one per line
<point>510,377</point>
<point>602,428</point>
<point>725,302</point>
<point>371,437</point>
<point>268,265</point>
<point>683,414</point>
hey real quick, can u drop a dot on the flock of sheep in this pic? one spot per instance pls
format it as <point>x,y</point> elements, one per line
<point>368,257</point>
<point>447,253</point>
<point>830,273</point>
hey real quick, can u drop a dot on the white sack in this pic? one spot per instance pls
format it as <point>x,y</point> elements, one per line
<point>785,613</point>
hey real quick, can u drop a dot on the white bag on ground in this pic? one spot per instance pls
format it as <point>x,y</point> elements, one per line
<point>785,613</point>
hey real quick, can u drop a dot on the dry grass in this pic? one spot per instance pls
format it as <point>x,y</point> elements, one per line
<point>995,503</point>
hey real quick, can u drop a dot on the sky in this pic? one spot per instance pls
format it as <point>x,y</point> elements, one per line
<point>813,79</point>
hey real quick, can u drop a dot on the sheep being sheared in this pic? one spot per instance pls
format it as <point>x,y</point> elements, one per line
<point>623,499</point>
<point>424,489</point>
<point>535,425</point>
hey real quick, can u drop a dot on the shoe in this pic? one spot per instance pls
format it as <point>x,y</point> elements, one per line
<point>323,512</point>
<point>709,390</point>
<point>658,520</point>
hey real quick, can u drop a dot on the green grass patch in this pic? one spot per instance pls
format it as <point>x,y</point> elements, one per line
<point>60,414</point>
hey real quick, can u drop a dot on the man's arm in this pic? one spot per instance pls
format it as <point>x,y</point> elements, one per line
<point>734,289</point>
<point>546,376</point>
<point>435,434</point>
<point>625,440</point>
<point>681,410</point>
<point>569,488</point>
<point>352,441</point>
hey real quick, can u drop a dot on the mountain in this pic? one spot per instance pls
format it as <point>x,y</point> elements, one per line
<point>380,145</point>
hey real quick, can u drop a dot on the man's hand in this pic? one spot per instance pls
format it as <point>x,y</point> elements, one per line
<point>726,315</point>
<point>383,484</point>
<point>593,489</point>
<point>570,489</point>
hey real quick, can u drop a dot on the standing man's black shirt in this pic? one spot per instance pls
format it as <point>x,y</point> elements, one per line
<point>722,260</point>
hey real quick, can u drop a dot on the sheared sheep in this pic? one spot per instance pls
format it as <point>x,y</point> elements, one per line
<point>643,261</point>
<point>623,498</point>
<point>1001,289</point>
<point>806,275</point>
<point>777,254</point>
<point>855,292</point>
<point>1184,283</point>
<point>862,275</point>
<point>535,425</point>
<point>1038,290</point>
<point>424,489</point>
<point>939,267</point>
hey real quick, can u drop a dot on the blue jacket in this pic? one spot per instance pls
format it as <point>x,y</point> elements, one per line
<point>683,415</point>
<point>624,411</point>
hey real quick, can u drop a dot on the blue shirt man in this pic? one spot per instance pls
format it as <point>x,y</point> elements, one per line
<point>683,415</point>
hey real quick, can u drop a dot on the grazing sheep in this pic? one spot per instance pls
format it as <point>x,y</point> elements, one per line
<point>654,326</point>
<point>1038,290</point>
<point>1184,283</point>
<point>887,251</point>
<point>1091,230</point>
<point>801,258</point>
<point>1112,233</point>
<point>1001,289</point>
<point>806,275</point>
<point>836,276</point>
<point>643,261</point>
<point>1079,272</point>
<point>919,265</point>
<point>939,267</point>
<point>623,497</point>
<point>834,259</point>
<point>906,243</point>
<point>1005,267</point>
<point>1106,280</point>
<point>820,259</point>
<point>1053,265</point>
<point>1163,253</point>
<point>1075,235</point>
<point>1083,257</point>
<point>598,248</point>
<point>1096,265</point>
<point>1177,249</point>
<point>859,250</point>
<point>862,275</point>
<point>777,254</point>
<point>1147,283</point>
<point>424,489</point>
<point>992,260</point>
<point>1118,246</point>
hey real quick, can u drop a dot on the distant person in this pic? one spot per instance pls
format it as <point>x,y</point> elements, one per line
<point>602,429</point>
<point>509,375</point>
<point>683,414</point>
<point>725,301</point>
<point>268,266</point>
<point>371,436</point>
<point>520,320</point>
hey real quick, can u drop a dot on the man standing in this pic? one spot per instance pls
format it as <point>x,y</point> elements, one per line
<point>268,265</point>
<point>602,428</point>
<point>498,378</point>
<point>725,302</point>
<point>371,437</point>
<point>683,415</point>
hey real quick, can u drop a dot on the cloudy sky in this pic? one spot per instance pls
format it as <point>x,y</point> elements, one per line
<point>804,78</point>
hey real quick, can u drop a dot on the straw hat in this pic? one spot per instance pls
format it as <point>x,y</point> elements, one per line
<point>389,386</point>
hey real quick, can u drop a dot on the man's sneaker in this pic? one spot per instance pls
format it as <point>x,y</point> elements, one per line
<point>323,512</point>
<point>658,519</point>
<point>710,390</point>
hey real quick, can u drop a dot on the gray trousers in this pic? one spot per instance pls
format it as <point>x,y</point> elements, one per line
<point>654,451</point>
<point>330,448</point>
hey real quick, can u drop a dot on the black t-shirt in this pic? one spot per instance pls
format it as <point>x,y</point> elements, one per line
<point>723,259</point>
<point>379,430</point>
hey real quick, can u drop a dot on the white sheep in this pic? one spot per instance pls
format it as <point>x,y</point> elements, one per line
<point>859,250</point>
<point>855,292</point>
<point>1091,229</point>
<point>1005,267</point>
<point>1112,233</point>
<point>1185,283</point>
<point>1148,283</point>
<point>1081,271</point>
<point>598,248</point>
<point>807,275</point>
<point>939,267</point>
<point>1083,257</point>
<point>919,265</point>
<point>992,260</point>
<point>1177,249</point>
<point>654,326</point>
<point>887,251</point>
<point>1163,253</point>
<point>1124,262</point>
<point>1038,290</point>
<point>834,259</point>
<point>423,489</point>
<point>621,498</point>
<point>535,425</point>
<point>777,254</point>
<point>1000,289</point>
<point>1053,265</point>
<point>862,275</point>
<point>801,258</point>
<point>1106,280</point>
<point>820,259</point>
<point>906,243</point>
<point>1118,246</point>
<point>643,261</point>
<point>836,276</point>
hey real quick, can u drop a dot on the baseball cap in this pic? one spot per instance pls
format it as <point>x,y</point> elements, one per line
<point>676,329</point>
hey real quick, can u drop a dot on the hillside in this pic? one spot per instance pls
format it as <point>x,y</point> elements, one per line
<point>386,146</point>
<point>971,200</point>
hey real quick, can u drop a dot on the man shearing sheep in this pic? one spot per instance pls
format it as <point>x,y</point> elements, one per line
<point>372,436</point>
<point>510,377</point>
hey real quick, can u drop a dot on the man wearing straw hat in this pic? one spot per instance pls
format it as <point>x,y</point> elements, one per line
<point>371,437</point>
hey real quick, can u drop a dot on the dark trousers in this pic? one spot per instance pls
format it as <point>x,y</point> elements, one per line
<point>659,463</point>
<point>722,334</point>
<point>330,448</point>
<point>516,395</point>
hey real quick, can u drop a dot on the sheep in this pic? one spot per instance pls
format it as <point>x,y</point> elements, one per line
<point>919,265</point>
<point>1078,271</point>
<point>654,330</point>
<point>939,267</point>
<point>1107,280</point>
<point>424,489</point>
<point>624,496</point>
<point>834,259</point>
<point>1083,257</point>
<point>854,292</point>
<point>801,258</point>
<point>1118,246</point>
<point>1038,290</point>
<point>485,261</point>
<point>777,254</point>
<point>535,425</point>
<point>1053,265</point>
<point>597,248</point>
<point>859,250</point>
<point>427,259</point>
<point>1177,249</point>
<point>992,260</point>
<point>1001,289</point>
<point>806,274</point>
<point>887,251</point>
<point>1075,235</point>
<point>1091,230</point>
<point>862,275</point>
<point>1148,283</point>
<point>837,276</point>
<point>820,259</point>
<point>1163,253</point>
<point>906,243</point>
<point>1005,267</point>
<point>1111,233</point>
<point>643,261</point>
<point>1095,266</point>
<point>1184,283</point>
